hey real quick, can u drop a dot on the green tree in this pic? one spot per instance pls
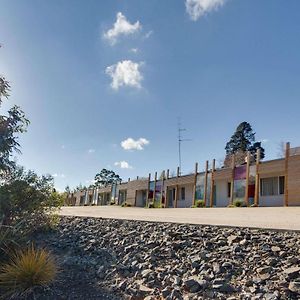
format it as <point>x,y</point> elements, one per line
<point>67,189</point>
<point>106,177</point>
<point>241,141</point>
<point>253,150</point>
<point>11,124</point>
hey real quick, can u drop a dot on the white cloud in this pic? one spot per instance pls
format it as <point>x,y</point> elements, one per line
<point>121,27</point>
<point>90,151</point>
<point>125,73</point>
<point>123,164</point>
<point>134,50</point>
<point>198,8</point>
<point>148,34</point>
<point>131,144</point>
<point>58,175</point>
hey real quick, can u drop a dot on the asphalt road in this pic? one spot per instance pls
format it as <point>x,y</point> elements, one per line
<point>260,217</point>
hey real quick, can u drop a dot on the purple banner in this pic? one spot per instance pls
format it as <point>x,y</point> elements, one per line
<point>240,172</point>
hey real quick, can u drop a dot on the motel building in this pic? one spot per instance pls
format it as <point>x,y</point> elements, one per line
<point>262,183</point>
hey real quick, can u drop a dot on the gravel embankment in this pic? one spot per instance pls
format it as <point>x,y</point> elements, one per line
<point>117,259</point>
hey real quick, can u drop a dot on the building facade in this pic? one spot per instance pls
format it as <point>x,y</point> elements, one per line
<point>262,183</point>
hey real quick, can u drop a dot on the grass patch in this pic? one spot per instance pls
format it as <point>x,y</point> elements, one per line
<point>26,270</point>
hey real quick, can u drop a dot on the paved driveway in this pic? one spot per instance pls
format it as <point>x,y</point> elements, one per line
<point>261,217</point>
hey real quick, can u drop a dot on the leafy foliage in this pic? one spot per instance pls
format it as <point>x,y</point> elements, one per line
<point>11,237</point>
<point>28,197</point>
<point>154,204</point>
<point>106,177</point>
<point>241,141</point>
<point>11,124</point>
<point>4,88</point>
<point>27,269</point>
<point>200,203</point>
<point>253,150</point>
<point>238,203</point>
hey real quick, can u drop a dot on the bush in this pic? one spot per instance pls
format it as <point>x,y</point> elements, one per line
<point>11,238</point>
<point>230,206</point>
<point>199,203</point>
<point>238,203</point>
<point>28,198</point>
<point>27,270</point>
<point>155,204</point>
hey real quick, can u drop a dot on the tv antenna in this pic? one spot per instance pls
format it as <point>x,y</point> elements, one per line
<point>180,140</point>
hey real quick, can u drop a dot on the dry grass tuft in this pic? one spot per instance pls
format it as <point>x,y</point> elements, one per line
<point>27,269</point>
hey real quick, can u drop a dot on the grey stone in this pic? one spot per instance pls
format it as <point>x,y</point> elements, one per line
<point>231,239</point>
<point>146,273</point>
<point>122,285</point>
<point>165,292</point>
<point>275,249</point>
<point>227,288</point>
<point>192,285</point>
<point>292,271</point>
<point>101,272</point>
<point>294,287</point>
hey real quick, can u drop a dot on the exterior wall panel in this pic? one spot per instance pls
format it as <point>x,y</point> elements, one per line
<point>188,202</point>
<point>188,179</point>
<point>294,180</point>
<point>225,173</point>
<point>222,199</point>
<point>276,167</point>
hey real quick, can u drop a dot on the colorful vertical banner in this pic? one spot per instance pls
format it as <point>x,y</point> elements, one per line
<point>240,174</point>
<point>200,187</point>
<point>151,190</point>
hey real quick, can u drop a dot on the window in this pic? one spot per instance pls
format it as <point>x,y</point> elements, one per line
<point>272,186</point>
<point>81,200</point>
<point>182,192</point>
<point>281,185</point>
<point>229,189</point>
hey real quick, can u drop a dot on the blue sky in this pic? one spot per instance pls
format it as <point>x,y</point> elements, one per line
<point>213,63</point>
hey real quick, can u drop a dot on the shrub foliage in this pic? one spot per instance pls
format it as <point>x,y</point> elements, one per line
<point>28,198</point>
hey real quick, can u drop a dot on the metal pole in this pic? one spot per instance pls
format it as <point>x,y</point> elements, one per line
<point>180,139</point>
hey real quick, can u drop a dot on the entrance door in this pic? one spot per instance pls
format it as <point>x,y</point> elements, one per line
<point>214,195</point>
<point>144,198</point>
<point>171,197</point>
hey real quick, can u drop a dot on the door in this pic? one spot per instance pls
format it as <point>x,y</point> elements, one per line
<point>171,197</point>
<point>144,198</point>
<point>214,195</point>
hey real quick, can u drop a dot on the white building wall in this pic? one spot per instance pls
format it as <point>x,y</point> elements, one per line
<point>221,193</point>
<point>141,196</point>
<point>277,200</point>
<point>188,202</point>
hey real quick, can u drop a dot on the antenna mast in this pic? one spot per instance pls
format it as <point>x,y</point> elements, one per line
<point>180,140</point>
